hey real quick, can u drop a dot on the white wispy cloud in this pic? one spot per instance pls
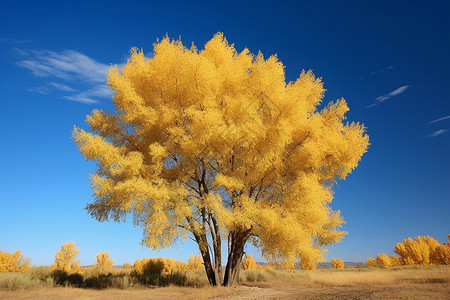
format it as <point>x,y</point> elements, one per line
<point>70,67</point>
<point>386,97</point>
<point>440,119</point>
<point>382,70</point>
<point>39,89</point>
<point>12,41</point>
<point>437,133</point>
<point>62,87</point>
<point>66,64</point>
<point>89,96</point>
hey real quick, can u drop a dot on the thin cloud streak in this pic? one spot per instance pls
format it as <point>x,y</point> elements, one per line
<point>386,97</point>
<point>39,89</point>
<point>62,87</point>
<point>68,66</point>
<point>440,119</point>
<point>88,97</point>
<point>437,133</point>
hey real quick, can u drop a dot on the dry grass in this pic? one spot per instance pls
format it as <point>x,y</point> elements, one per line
<point>135,294</point>
<point>359,283</point>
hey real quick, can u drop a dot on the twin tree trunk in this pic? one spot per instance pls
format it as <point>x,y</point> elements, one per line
<point>214,271</point>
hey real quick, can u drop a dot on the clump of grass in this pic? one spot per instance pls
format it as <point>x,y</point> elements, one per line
<point>16,281</point>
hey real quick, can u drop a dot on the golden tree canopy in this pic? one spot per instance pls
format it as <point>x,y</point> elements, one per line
<point>215,142</point>
<point>103,265</point>
<point>65,259</point>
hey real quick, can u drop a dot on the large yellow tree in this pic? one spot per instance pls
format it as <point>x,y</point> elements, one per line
<point>214,145</point>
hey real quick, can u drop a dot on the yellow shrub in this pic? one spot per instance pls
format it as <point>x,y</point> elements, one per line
<point>104,265</point>
<point>337,263</point>
<point>306,264</point>
<point>371,262</point>
<point>64,259</point>
<point>420,251</point>
<point>167,265</point>
<point>195,262</point>
<point>395,260</point>
<point>383,261</point>
<point>126,266</point>
<point>443,254</point>
<point>248,263</point>
<point>14,262</point>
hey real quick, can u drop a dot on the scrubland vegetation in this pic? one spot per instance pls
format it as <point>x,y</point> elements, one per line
<point>419,271</point>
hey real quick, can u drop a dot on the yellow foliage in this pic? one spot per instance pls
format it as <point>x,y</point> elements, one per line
<point>395,260</point>
<point>383,260</point>
<point>164,265</point>
<point>64,259</point>
<point>13,262</point>
<point>126,266</point>
<point>216,141</point>
<point>337,263</point>
<point>420,251</point>
<point>248,263</point>
<point>443,254</point>
<point>195,262</point>
<point>371,262</point>
<point>103,265</point>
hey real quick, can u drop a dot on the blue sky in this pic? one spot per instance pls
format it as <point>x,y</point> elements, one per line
<point>388,59</point>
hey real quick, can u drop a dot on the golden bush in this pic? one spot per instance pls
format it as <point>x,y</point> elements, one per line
<point>103,265</point>
<point>64,259</point>
<point>248,263</point>
<point>126,266</point>
<point>13,262</point>
<point>395,260</point>
<point>442,255</point>
<point>420,251</point>
<point>371,262</point>
<point>337,263</point>
<point>166,265</point>
<point>195,262</point>
<point>383,260</point>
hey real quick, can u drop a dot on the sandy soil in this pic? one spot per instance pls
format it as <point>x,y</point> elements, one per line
<point>433,291</point>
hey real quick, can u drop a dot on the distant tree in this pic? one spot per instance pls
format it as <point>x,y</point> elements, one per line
<point>383,260</point>
<point>195,262</point>
<point>371,262</point>
<point>248,263</point>
<point>337,263</point>
<point>64,259</point>
<point>103,265</point>
<point>126,266</point>
<point>215,144</point>
<point>13,262</point>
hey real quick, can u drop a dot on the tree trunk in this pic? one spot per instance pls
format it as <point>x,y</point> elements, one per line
<point>213,272</point>
<point>236,243</point>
